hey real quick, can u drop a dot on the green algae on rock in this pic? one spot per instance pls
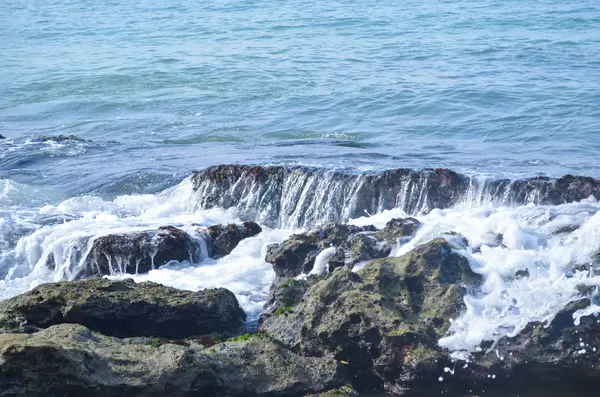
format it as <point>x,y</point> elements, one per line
<point>70,360</point>
<point>124,309</point>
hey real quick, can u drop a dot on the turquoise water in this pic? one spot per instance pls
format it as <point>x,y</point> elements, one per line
<point>494,87</point>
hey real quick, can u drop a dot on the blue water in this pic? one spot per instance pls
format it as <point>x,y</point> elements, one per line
<point>163,88</point>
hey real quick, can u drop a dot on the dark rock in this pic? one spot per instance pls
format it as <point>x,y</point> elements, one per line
<point>304,196</point>
<point>124,309</point>
<point>2,136</point>
<point>140,252</point>
<point>345,391</point>
<point>544,358</point>
<point>68,360</point>
<point>400,229</point>
<point>384,321</point>
<point>362,247</point>
<point>297,254</point>
<point>223,239</point>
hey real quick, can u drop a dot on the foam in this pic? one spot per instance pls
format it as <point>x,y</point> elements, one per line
<point>502,242</point>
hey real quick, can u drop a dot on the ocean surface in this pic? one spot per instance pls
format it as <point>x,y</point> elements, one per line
<point>108,107</point>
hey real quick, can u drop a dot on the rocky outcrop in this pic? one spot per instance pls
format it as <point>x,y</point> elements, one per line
<point>2,136</point>
<point>69,360</point>
<point>304,196</point>
<point>141,252</point>
<point>224,238</point>
<point>296,255</point>
<point>383,321</point>
<point>124,309</point>
<point>545,357</point>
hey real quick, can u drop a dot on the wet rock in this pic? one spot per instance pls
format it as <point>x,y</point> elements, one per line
<point>297,254</point>
<point>400,228</point>
<point>68,360</point>
<point>304,196</point>
<point>2,136</point>
<point>361,247</point>
<point>223,239</point>
<point>345,391</point>
<point>384,321</point>
<point>124,309</point>
<point>140,252</point>
<point>544,358</point>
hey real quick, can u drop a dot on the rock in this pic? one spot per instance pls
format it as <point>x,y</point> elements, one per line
<point>384,321</point>
<point>223,239</point>
<point>345,391</point>
<point>400,229</point>
<point>2,136</point>
<point>546,357</point>
<point>304,196</point>
<point>297,254</point>
<point>124,309</point>
<point>68,360</point>
<point>140,252</point>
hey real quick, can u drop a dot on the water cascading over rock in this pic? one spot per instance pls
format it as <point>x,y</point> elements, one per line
<point>282,196</point>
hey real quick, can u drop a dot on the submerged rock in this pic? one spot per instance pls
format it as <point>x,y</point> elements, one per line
<point>68,360</point>
<point>124,309</point>
<point>384,321</point>
<point>59,138</point>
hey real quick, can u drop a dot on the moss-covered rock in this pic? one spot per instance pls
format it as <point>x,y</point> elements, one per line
<point>384,320</point>
<point>344,391</point>
<point>69,360</point>
<point>124,309</point>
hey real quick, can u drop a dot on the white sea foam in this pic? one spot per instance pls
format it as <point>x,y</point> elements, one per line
<point>547,242</point>
<point>244,271</point>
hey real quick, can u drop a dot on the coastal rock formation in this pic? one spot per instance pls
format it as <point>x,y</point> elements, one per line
<point>2,136</point>
<point>69,360</point>
<point>141,252</point>
<point>124,309</point>
<point>224,238</point>
<point>305,196</point>
<point>296,255</point>
<point>384,321</point>
<point>545,356</point>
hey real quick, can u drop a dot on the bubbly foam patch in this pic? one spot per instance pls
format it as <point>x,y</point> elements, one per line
<point>534,260</point>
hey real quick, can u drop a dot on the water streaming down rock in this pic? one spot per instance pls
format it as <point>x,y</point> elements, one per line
<point>303,196</point>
